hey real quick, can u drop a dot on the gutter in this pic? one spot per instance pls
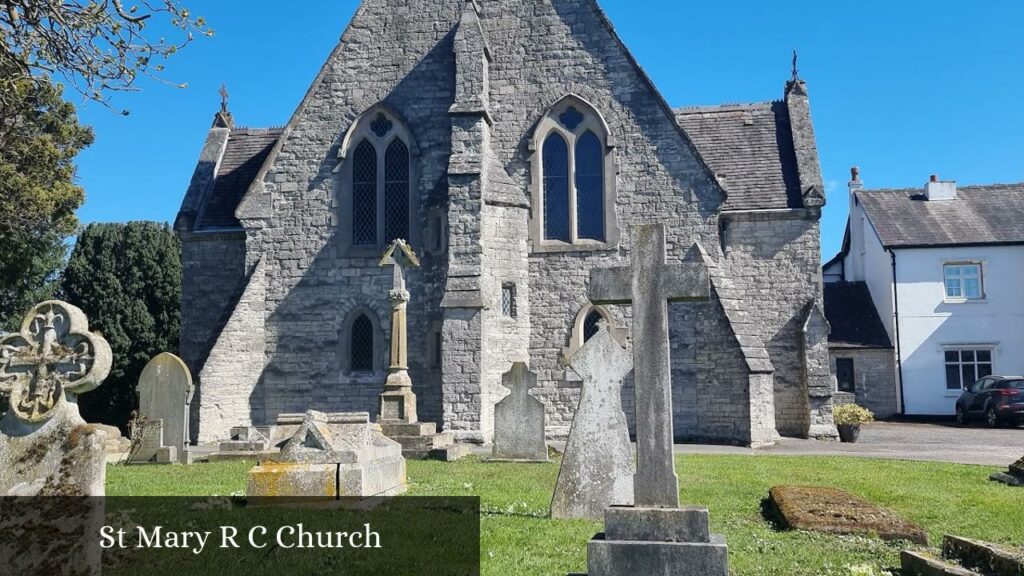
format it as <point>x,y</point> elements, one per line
<point>896,325</point>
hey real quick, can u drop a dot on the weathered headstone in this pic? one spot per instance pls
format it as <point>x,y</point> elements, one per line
<point>46,448</point>
<point>597,467</point>
<point>655,536</point>
<point>519,434</point>
<point>330,456</point>
<point>397,417</point>
<point>45,445</point>
<point>165,390</point>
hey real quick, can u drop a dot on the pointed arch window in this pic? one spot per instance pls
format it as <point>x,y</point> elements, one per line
<point>574,180</point>
<point>361,345</point>
<point>378,195</point>
<point>592,324</point>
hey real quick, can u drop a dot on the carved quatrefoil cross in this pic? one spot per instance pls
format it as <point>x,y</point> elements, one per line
<point>54,354</point>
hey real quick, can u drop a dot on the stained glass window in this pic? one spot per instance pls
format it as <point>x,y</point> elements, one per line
<point>556,188</point>
<point>589,188</point>
<point>591,325</point>
<point>364,195</point>
<point>396,192</point>
<point>362,345</point>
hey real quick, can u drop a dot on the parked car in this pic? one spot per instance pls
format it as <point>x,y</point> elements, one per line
<point>996,399</point>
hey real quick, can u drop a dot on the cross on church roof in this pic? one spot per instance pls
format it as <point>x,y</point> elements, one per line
<point>223,98</point>
<point>796,71</point>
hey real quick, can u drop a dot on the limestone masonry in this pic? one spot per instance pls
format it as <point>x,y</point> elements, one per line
<point>513,145</point>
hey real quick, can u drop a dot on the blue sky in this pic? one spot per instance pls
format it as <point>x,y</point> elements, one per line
<point>902,89</point>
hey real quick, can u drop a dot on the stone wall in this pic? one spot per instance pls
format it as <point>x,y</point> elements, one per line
<point>874,373</point>
<point>213,277</point>
<point>776,256</point>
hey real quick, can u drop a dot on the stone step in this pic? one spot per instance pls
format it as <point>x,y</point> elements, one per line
<point>417,429</point>
<point>449,453</point>
<point>982,556</point>
<point>922,564</point>
<point>425,442</point>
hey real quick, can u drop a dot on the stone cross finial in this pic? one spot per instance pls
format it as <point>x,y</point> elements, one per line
<point>53,355</point>
<point>223,98</point>
<point>649,284</point>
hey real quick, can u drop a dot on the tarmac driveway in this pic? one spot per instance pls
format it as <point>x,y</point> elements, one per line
<point>902,441</point>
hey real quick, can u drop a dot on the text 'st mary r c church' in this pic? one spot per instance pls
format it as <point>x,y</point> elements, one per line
<point>513,144</point>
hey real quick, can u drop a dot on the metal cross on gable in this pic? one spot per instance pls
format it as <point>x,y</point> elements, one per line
<point>53,355</point>
<point>649,284</point>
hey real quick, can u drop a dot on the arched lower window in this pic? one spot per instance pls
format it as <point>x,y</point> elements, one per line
<point>573,186</point>
<point>556,188</point>
<point>361,345</point>
<point>591,325</point>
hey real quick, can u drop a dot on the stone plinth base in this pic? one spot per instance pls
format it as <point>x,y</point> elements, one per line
<point>422,441</point>
<point>667,542</point>
<point>397,404</point>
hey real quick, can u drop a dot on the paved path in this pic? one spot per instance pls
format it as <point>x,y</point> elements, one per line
<point>901,441</point>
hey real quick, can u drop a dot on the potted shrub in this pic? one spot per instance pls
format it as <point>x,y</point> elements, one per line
<point>848,419</point>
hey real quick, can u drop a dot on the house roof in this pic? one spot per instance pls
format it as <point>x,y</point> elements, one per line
<point>905,218</point>
<point>750,147</point>
<point>246,150</point>
<point>851,312</point>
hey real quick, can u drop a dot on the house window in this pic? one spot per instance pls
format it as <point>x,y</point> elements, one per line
<point>845,375</point>
<point>964,367</point>
<point>508,300</point>
<point>573,192</point>
<point>963,281</point>
<point>361,345</point>
<point>376,194</point>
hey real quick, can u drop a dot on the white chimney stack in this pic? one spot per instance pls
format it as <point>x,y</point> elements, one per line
<point>936,190</point>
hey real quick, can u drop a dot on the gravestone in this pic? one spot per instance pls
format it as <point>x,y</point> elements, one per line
<point>397,416</point>
<point>597,467</point>
<point>1012,477</point>
<point>165,390</point>
<point>519,420</point>
<point>46,448</point>
<point>655,535</point>
<point>45,445</point>
<point>330,456</point>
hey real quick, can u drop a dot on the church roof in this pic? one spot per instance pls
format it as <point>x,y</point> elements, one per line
<point>851,313</point>
<point>991,214</point>
<point>246,150</point>
<point>750,147</point>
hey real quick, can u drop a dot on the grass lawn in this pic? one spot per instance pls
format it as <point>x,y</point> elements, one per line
<point>517,538</point>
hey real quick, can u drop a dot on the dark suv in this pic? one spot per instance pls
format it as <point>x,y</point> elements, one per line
<point>997,399</point>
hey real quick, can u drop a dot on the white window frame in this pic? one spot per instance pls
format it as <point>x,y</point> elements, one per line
<point>550,122</point>
<point>960,348</point>
<point>961,278</point>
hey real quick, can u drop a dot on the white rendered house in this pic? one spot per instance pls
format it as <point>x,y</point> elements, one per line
<point>945,269</point>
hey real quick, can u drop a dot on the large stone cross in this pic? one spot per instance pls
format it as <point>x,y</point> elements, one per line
<point>398,403</point>
<point>54,354</point>
<point>649,284</point>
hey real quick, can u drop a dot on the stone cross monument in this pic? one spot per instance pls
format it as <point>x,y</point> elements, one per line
<point>519,421</point>
<point>398,403</point>
<point>655,535</point>
<point>43,369</point>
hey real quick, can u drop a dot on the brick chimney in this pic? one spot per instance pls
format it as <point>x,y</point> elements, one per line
<point>936,189</point>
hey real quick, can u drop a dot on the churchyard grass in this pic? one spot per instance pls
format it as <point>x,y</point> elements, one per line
<point>517,538</point>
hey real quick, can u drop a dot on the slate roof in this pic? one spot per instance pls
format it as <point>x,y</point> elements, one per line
<point>749,146</point>
<point>979,215</point>
<point>246,151</point>
<point>851,312</point>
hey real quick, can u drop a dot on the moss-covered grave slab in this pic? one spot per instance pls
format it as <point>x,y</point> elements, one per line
<point>834,511</point>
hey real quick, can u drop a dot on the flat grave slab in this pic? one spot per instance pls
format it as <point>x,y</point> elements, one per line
<point>834,511</point>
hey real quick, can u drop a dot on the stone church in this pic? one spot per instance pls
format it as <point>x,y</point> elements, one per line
<point>513,144</point>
